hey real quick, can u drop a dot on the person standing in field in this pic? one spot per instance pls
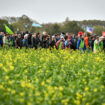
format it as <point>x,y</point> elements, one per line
<point>57,37</point>
<point>101,44</point>
<point>25,41</point>
<point>67,43</point>
<point>92,43</point>
<point>61,43</point>
<point>86,39</point>
<point>19,41</point>
<point>43,39</point>
<point>38,38</point>
<point>12,40</point>
<point>35,41</point>
<point>1,39</point>
<point>29,40</point>
<point>52,43</point>
<point>46,42</point>
<point>5,41</point>
<point>72,40</point>
<point>96,44</point>
<point>81,44</point>
<point>62,34</point>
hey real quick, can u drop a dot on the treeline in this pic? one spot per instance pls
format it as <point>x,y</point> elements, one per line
<point>24,23</point>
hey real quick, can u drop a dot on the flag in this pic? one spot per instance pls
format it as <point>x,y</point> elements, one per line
<point>89,30</point>
<point>8,30</point>
<point>36,25</point>
<point>103,33</point>
<point>26,26</point>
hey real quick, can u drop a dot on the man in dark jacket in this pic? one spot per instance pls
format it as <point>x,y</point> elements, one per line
<point>1,39</point>
<point>53,43</point>
<point>73,41</point>
<point>38,38</point>
<point>35,41</point>
<point>29,40</point>
<point>19,41</point>
<point>43,39</point>
<point>46,42</point>
<point>92,42</point>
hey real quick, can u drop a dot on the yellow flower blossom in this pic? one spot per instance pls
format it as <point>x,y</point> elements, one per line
<point>61,88</point>
<point>86,88</point>
<point>6,77</point>
<point>37,93</point>
<point>21,94</point>
<point>95,90</point>
<point>11,68</point>
<point>13,91</point>
<point>5,69</point>
<point>21,100</point>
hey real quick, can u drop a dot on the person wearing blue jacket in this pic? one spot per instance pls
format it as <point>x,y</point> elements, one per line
<point>25,41</point>
<point>81,44</point>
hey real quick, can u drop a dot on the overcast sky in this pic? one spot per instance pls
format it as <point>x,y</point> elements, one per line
<point>45,11</point>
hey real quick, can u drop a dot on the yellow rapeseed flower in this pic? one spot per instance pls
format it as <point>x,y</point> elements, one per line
<point>10,82</point>
<point>37,80</point>
<point>87,103</point>
<point>77,102</point>
<point>61,88</point>
<point>43,83</point>
<point>95,90</point>
<point>5,69</point>
<point>8,89</point>
<point>11,68</point>
<point>26,71</point>
<point>13,91</point>
<point>23,84</point>
<point>21,94</point>
<point>86,88</point>
<point>1,65</point>
<point>21,100</point>
<point>1,86</point>
<point>6,77</point>
<point>37,93</point>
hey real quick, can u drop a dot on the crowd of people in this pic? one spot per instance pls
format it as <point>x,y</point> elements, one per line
<point>66,41</point>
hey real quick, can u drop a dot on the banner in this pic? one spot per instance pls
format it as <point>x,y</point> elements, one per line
<point>26,26</point>
<point>8,30</point>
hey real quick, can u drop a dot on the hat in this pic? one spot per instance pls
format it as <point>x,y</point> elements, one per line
<point>80,33</point>
<point>69,37</point>
<point>62,37</point>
